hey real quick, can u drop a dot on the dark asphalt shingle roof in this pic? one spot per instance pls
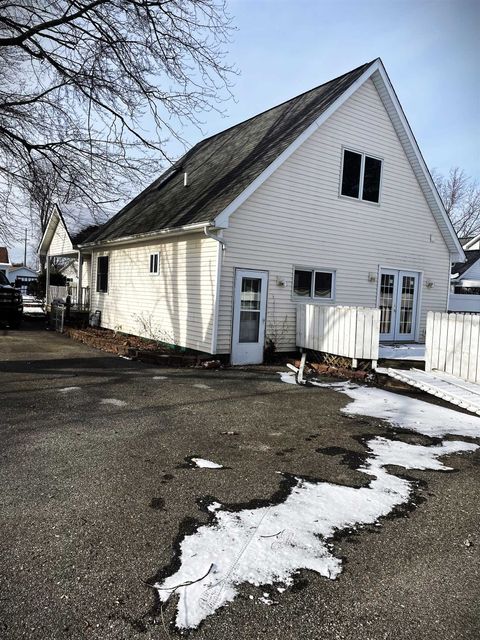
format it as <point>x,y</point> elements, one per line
<point>471,257</point>
<point>83,234</point>
<point>222,166</point>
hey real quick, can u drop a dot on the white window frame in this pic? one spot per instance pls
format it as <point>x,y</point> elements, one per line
<point>154,273</point>
<point>314,270</point>
<point>363,155</point>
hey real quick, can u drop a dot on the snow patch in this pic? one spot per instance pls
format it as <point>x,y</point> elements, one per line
<point>114,401</point>
<point>287,376</point>
<point>268,545</point>
<point>202,386</point>
<point>407,413</point>
<point>160,378</point>
<point>206,464</point>
<point>402,352</point>
<point>68,389</point>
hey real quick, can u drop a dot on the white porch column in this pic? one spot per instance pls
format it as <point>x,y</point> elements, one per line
<point>47,279</point>
<point>79,285</point>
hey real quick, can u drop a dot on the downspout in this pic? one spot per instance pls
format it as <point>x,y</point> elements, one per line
<point>216,302</point>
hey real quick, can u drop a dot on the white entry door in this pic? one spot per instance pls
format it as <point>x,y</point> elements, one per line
<point>249,310</point>
<point>398,301</point>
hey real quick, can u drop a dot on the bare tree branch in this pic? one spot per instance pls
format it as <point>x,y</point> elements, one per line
<point>91,89</point>
<point>461,198</point>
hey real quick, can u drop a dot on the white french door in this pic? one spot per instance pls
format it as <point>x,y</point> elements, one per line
<point>249,310</point>
<point>398,301</point>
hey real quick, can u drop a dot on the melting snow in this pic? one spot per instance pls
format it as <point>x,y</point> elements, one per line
<point>114,401</point>
<point>206,464</point>
<point>405,412</point>
<point>269,545</point>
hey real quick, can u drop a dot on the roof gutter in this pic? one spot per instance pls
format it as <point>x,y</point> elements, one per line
<point>151,235</point>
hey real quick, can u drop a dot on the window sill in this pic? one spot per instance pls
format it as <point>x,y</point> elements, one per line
<point>312,300</point>
<point>353,199</point>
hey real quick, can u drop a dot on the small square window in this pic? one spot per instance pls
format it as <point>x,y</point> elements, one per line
<point>361,176</point>
<point>155,263</point>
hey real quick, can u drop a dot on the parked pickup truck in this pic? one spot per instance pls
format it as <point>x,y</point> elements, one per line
<point>11,303</point>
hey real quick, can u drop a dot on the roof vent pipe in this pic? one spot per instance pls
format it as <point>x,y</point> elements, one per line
<point>185,179</point>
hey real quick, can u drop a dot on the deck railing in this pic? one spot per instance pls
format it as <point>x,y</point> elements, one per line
<point>352,332</point>
<point>453,344</point>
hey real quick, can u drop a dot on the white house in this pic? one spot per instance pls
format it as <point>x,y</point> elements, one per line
<point>325,198</point>
<point>465,282</point>
<point>471,243</point>
<point>60,241</point>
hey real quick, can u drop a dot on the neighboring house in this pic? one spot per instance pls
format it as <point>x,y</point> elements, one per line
<point>471,243</point>
<point>21,276</point>
<point>465,282</point>
<point>61,241</point>
<point>4,261</point>
<point>324,198</point>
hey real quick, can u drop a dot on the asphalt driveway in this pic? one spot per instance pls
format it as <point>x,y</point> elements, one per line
<point>96,493</point>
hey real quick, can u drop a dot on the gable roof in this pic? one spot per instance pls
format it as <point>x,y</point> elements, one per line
<point>222,166</point>
<point>77,231</point>
<point>460,268</point>
<point>4,255</point>
<point>225,169</point>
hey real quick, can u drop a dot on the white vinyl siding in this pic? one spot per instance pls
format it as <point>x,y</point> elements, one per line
<point>176,306</point>
<point>60,243</point>
<point>297,217</point>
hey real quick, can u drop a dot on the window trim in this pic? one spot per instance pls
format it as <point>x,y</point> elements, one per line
<point>157,272</point>
<point>97,290</point>
<point>363,155</point>
<point>314,270</point>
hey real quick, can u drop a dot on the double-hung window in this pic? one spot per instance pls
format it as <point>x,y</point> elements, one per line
<point>155,263</point>
<point>102,274</point>
<point>314,283</point>
<point>361,176</point>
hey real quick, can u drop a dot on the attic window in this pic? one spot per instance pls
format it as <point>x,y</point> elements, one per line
<point>361,176</point>
<point>155,263</point>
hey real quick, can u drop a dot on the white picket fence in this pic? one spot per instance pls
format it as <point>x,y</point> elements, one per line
<point>352,332</point>
<point>453,344</point>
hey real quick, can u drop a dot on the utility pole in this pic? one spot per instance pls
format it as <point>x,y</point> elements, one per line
<point>25,251</point>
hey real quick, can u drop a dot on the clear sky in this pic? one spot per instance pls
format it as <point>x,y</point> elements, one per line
<point>431,50</point>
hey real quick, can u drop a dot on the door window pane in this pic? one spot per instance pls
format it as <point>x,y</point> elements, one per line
<point>251,293</point>
<point>302,283</point>
<point>249,326</point>
<point>371,179</point>
<point>323,284</point>
<point>250,303</point>
<point>406,304</point>
<point>387,287</point>
<point>351,173</point>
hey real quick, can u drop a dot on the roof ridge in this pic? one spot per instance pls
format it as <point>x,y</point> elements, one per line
<point>281,104</point>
